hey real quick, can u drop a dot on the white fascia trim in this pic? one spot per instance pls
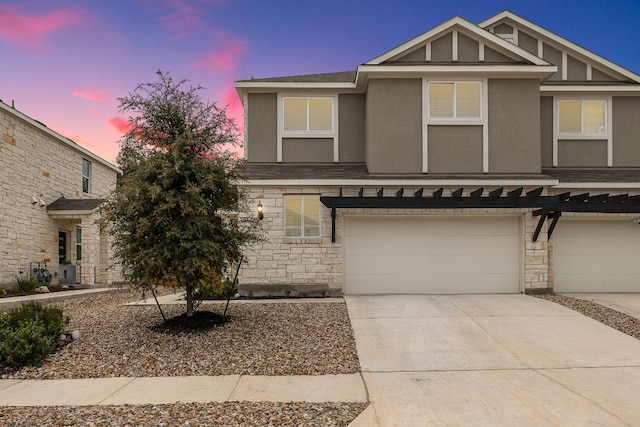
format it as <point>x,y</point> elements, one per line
<point>294,85</point>
<point>561,41</point>
<point>598,185</point>
<point>59,137</point>
<point>481,33</point>
<point>427,182</point>
<point>585,88</point>
<point>481,68</point>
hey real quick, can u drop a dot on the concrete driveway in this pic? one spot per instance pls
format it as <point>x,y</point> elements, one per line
<point>491,360</point>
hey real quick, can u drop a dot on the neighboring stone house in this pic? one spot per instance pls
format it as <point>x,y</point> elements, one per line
<point>50,188</point>
<point>457,162</point>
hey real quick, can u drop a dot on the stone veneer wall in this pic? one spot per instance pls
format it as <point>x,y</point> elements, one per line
<point>35,164</point>
<point>319,261</point>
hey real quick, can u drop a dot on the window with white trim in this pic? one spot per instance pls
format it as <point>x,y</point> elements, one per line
<point>86,175</point>
<point>312,115</point>
<point>78,244</point>
<point>582,117</point>
<point>459,100</point>
<point>302,215</point>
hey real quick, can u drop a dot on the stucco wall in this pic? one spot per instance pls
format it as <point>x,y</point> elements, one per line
<point>455,149</point>
<point>305,150</point>
<point>514,130</point>
<point>583,153</point>
<point>262,127</point>
<point>352,128</point>
<point>33,164</point>
<point>626,131</point>
<point>394,126</point>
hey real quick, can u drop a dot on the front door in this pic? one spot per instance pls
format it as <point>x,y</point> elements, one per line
<point>62,246</point>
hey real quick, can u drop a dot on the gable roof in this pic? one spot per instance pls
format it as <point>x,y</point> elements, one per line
<point>478,33</point>
<point>63,140</point>
<point>506,16</point>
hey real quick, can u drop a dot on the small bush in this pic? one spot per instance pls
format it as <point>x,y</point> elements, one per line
<point>220,289</point>
<point>29,333</point>
<point>24,283</point>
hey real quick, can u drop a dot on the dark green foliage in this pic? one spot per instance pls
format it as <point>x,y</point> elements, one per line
<point>178,216</point>
<point>29,333</point>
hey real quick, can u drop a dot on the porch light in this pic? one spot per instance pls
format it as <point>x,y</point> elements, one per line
<point>260,211</point>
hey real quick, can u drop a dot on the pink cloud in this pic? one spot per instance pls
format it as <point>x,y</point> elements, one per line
<point>16,27</point>
<point>225,59</point>
<point>96,95</point>
<point>182,18</point>
<point>119,124</point>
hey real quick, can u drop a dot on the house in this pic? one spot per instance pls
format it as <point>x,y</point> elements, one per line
<point>489,158</point>
<point>50,188</point>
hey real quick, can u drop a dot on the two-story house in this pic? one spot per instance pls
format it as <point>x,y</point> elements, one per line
<point>489,158</point>
<point>50,189</point>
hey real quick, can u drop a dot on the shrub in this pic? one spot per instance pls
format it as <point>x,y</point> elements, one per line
<point>29,333</point>
<point>24,283</point>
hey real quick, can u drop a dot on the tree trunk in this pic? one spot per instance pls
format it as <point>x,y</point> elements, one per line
<point>189,301</point>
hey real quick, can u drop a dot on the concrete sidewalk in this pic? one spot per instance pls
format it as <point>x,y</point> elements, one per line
<point>622,302</point>
<point>10,302</point>
<point>159,390</point>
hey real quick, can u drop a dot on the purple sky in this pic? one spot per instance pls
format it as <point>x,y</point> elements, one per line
<point>65,62</point>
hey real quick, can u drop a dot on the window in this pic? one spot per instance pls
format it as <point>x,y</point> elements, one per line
<point>308,114</point>
<point>455,100</point>
<point>582,117</point>
<point>78,244</point>
<point>302,216</point>
<point>86,175</point>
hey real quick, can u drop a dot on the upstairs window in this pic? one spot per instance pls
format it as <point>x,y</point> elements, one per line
<point>308,114</point>
<point>302,216</point>
<point>582,117</point>
<point>455,100</point>
<point>86,176</point>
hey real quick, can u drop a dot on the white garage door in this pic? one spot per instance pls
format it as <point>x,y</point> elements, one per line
<point>431,255</point>
<point>596,256</point>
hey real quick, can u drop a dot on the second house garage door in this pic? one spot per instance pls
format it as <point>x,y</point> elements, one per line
<point>431,255</point>
<point>596,256</point>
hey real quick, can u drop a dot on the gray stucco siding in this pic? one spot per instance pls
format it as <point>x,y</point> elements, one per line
<point>514,133</point>
<point>546,131</point>
<point>455,149</point>
<point>582,153</point>
<point>626,131</point>
<point>491,56</point>
<point>441,49</point>
<point>576,70</point>
<point>467,49</point>
<point>307,150</point>
<point>503,29</point>
<point>553,56</point>
<point>394,126</point>
<point>418,55</point>
<point>599,76</point>
<point>262,127</point>
<point>528,43</point>
<point>352,128</point>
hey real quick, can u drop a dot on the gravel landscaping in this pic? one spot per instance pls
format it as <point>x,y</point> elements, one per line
<point>181,414</point>
<point>610,317</point>
<point>263,338</point>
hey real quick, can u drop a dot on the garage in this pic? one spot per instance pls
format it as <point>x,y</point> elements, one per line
<point>596,256</point>
<point>432,254</point>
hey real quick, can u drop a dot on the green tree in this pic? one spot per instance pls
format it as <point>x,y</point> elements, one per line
<point>178,216</point>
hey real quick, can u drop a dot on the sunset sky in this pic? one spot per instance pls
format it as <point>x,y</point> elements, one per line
<point>65,62</point>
